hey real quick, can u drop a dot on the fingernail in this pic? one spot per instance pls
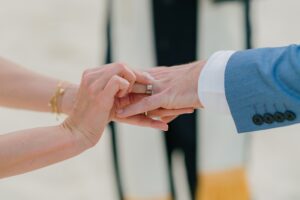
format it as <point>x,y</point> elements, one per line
<point>166,128</point>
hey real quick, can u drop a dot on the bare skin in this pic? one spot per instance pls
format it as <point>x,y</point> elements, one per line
<point>90,106</point>
<point>174,88</point>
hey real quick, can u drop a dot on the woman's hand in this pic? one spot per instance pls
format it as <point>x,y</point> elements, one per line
<point>96,99</point>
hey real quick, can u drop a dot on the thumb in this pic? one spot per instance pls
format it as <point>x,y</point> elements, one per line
<point>114,86</point>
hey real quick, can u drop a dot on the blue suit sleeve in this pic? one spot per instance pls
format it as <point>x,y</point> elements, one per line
<point>262,88</point>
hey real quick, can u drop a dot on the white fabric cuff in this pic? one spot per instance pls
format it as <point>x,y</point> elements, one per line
<point>211,89</point>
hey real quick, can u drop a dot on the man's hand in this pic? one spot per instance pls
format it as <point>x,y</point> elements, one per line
<point>136,92</point>
<point>173,88</point>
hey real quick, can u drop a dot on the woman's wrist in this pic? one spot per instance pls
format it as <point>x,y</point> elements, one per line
<point>68,100</point>
<point>76,139</point>
<point>83,139</point>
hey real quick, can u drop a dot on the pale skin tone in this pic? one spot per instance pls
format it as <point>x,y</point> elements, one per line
<point>90,106</point>
<point>173,88</point>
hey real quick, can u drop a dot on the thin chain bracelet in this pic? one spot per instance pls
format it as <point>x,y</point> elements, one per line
<point>55,99</point>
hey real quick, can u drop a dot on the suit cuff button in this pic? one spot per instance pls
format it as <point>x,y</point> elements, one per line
<point>279,117</point>
<point>290,116</point>
<point>257,119</point>
<point>268,118</point>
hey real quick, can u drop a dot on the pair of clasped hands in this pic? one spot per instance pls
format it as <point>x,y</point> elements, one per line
<point>115,92</point>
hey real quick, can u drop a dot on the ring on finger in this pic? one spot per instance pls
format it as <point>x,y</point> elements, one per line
<point>149,89</point>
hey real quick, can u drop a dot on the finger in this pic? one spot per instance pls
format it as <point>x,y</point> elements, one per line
<point>115,85</point>
<point>124,71</point>
<point>168,119</point>
<point>142,120</point>
<point>144,105</point>
<point>139,88</point>
<point>129,99</point>
<point>143,77</point>
<point>107,71</point>
<point>161,112</point>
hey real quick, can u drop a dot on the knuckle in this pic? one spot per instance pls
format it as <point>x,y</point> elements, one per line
<point>86,77</point>
<point>125,83</point>
<point>115,79</point>
<point>86,72</point>
<point>121,66</point>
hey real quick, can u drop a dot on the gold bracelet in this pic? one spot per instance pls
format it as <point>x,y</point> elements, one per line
<point>54,101</point>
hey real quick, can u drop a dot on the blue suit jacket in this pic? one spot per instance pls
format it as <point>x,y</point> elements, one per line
<point>262,87</point>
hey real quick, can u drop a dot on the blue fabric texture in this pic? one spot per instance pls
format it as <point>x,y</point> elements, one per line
<point>262,88</point>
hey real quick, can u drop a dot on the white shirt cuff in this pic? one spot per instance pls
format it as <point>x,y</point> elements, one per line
<point>211,89</point>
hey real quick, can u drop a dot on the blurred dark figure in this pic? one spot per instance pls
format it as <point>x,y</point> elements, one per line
<point>176,34</point>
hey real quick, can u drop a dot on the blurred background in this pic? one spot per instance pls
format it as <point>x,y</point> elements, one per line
<point>61,38</point>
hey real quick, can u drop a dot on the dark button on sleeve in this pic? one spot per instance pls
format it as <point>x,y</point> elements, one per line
<point>257,119</point>
<point>268,118</point>
<point>289,115</point>
<point>279,117</point>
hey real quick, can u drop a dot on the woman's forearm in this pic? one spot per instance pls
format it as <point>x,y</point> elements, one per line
<point>31,149</point>
<point>93,109</point>
<point>22,88</point>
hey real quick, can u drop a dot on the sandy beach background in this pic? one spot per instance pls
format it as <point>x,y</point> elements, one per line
<point>62,37</point>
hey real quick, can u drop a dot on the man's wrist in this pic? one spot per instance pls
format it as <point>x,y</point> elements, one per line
<point>211,83</point>
<point>196,71</point>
